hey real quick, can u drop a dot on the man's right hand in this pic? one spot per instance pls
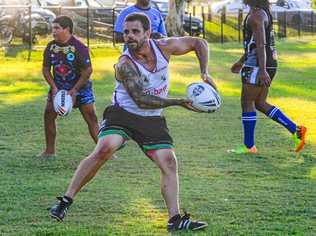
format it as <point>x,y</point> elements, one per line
<point>236,67</point>
<point>54,91</point>
<point>186,103</point>
<point>264,78</point>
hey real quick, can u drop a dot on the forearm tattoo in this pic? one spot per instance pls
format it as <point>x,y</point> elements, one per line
<point>134,86</point>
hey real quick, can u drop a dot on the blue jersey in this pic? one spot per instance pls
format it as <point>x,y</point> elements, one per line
<point>157,23</point>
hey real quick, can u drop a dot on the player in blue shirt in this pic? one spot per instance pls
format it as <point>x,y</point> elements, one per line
<point>157,23</point>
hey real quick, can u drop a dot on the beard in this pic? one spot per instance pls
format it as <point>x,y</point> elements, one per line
<point>135,46</point>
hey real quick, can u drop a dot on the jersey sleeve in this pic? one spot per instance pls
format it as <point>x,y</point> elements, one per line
<point>84,58</point>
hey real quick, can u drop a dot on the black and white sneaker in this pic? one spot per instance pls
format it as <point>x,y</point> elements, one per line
<point>59,210</point>
<point>184,223</point>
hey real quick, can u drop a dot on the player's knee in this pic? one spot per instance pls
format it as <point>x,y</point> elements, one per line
<point>170,164</point>
<point>261,106</point>
<point>104,152</point>
<point>247,104</point>
<point>49,114</point>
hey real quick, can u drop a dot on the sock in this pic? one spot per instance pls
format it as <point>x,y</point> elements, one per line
<point>249,123</point>
<point>67,199</point>
<point>275,114</point>
<point>174,218</point>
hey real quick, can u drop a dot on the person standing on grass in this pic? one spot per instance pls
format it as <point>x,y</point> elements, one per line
<point>158,29</point>
<point>140,95</point>
<point>67,65</point>
<point>258,67</point>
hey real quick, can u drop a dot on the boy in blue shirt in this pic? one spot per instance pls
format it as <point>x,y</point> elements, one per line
<point>157,23</point>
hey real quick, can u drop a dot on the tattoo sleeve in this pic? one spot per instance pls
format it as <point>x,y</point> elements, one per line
<point>134,86</point>
<point>201,51</point>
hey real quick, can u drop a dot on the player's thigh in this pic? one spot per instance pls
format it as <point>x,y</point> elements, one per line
<point>250,92</point>
<point>49,111</point>
<point>108,145</point>
<point>88,112</point>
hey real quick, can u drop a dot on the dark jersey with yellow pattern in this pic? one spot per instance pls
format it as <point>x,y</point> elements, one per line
<point>67,61</point>
<point>251,57</point>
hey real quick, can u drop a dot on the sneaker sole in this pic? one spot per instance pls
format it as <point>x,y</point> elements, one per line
<point>195,229</point>
<point>201,227</point>
<point>56,217</point>
<point>233,151</point>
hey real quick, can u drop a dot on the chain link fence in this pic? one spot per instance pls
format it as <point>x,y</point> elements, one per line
<point>227,26</point>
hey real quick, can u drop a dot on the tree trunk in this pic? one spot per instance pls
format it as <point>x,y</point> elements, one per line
<point>174,18</point>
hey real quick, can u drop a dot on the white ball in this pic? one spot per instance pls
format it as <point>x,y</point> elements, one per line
<point>62,103</point>
<point>204,97</point>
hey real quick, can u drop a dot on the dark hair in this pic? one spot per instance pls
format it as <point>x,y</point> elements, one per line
<point>64,22</point>
<point>141,17</point>
<point>263,4</point>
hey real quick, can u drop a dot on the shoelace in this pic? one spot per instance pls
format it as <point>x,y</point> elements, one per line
<point>186,216</point>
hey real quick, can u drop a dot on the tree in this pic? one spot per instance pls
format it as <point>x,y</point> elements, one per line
<point>174,18</point>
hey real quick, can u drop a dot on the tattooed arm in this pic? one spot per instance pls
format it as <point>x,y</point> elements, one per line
<point>128,75</point>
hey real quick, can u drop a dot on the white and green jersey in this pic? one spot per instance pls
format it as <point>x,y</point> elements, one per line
<point>155,83</point>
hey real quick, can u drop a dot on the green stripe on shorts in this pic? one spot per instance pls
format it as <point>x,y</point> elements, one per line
<point>113,131</point>
<point>156,147</point>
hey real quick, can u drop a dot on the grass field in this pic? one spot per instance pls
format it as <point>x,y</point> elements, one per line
<point>271,193</point>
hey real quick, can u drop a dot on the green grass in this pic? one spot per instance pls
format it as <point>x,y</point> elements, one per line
<point>271,193</point>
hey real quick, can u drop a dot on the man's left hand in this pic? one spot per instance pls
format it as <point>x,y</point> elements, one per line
<point>208,79</point>
<point>156,35</point>
<point>73,93</point>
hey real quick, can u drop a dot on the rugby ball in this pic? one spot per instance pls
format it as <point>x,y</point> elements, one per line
<point>62,103</point>
<point>204,97</point>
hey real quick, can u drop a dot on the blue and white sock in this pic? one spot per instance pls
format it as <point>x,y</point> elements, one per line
<point>276,114</point>
<point>249,123</point>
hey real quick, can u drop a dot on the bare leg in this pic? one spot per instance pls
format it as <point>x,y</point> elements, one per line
<point>249,94</point>
<point>167,162</point>
<point>90,165</point>
<point>248,97</point>
<point>261,103</point>
<point>50,129</point>
<point>89,114</point>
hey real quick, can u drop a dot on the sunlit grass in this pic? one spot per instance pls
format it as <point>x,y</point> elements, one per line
<point>313,173</point>
<point>20,92</point>
<point>301,111</point>
<point>271,193</point>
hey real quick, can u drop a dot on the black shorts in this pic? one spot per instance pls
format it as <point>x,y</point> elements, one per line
<point>249,75</point>
<point>149,132</point>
